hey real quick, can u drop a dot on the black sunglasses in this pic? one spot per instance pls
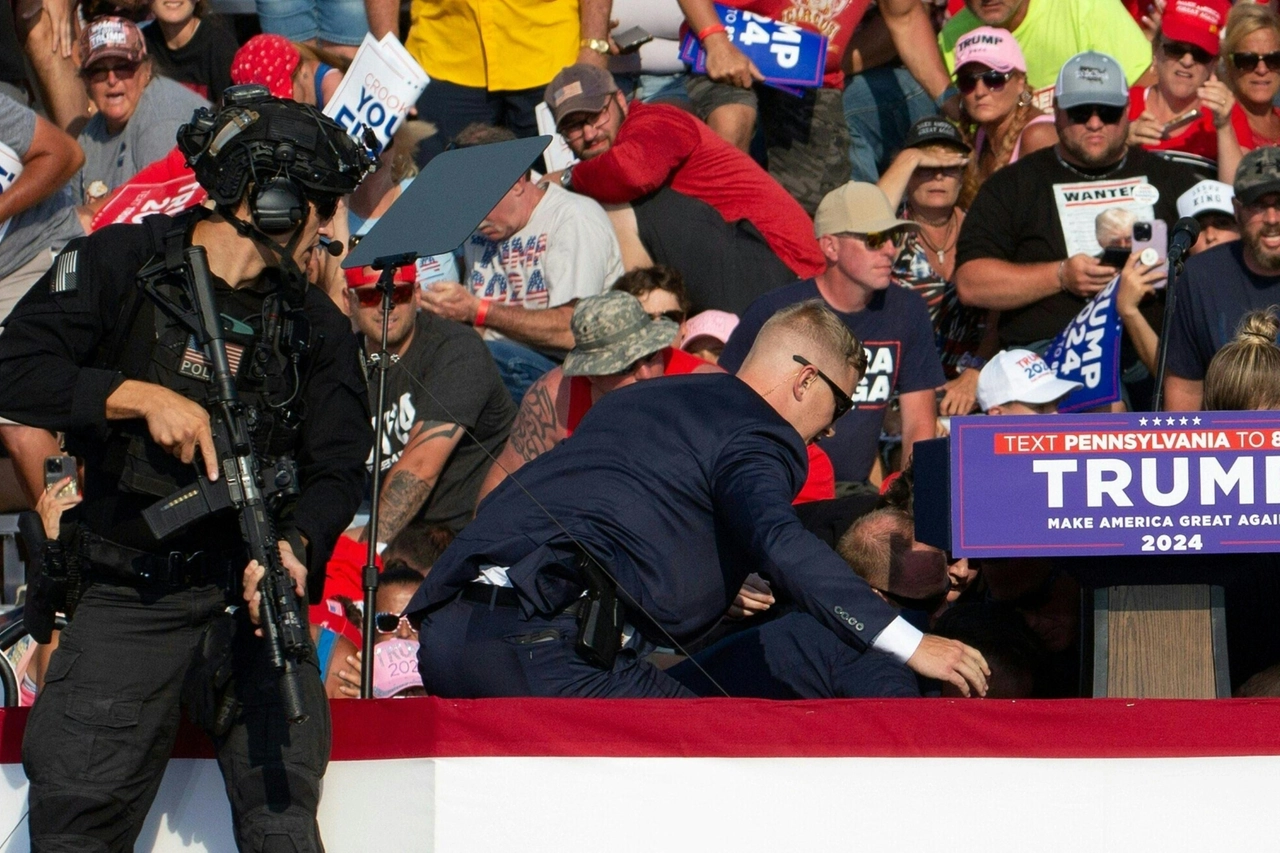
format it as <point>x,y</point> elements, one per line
<point>1175,50</point>
<point>326,207</point>
<point>1249,61</point>
<point>1084,112</point>
<point>994,80</point>
<point>388,623</point>
<point>843,401</point>
<point>676,315</point>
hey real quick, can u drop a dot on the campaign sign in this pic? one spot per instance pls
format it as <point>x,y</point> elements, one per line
<point>1088,351</point>
<point>1139,483</point>
<point>377,91</point>
<point>132,202</point>
<point>785,54</point>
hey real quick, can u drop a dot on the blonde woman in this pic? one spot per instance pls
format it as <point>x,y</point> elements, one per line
<point>1245,374</point>
<point>991,75</point>
<point>1252,49</point>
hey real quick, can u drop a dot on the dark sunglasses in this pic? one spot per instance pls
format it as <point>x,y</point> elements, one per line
<point>1084,112</point>
<point>1175,50</point>
<point>876,239</point>
<point>326,207</point>
<point>992,79</point>
<point>388,623</point>
<point>1249,61</point>
<point>843,401</point>
<point>675,316</point>
<point>371,297</point>
<point>98,73</point>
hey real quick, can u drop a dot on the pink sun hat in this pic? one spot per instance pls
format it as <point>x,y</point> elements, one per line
<point>711,323</point>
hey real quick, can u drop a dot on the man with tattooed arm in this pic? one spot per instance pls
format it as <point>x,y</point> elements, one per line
<point>618,344</point>
<point>446,409</point>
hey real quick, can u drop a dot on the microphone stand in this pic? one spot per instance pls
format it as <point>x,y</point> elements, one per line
<point>381,361</point>
<point>442,206</point>
<point>1170,295</point>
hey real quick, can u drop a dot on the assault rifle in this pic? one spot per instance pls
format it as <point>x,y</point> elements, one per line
<point>243,487</point>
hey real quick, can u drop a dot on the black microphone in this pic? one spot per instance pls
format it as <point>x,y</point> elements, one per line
<point>334,247</point>
<point>1185,233</point>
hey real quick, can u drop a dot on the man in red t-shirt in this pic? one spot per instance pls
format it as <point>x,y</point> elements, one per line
<point>680,195</point>
<point>806,137</point>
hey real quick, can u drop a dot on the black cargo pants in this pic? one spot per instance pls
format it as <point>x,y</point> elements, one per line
<point>102,729</point>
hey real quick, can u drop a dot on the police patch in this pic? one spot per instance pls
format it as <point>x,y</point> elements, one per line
<point>65,272</point>
<point>198,366</point>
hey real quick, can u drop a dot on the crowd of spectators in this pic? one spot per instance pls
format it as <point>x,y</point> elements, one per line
<point>917,192</point>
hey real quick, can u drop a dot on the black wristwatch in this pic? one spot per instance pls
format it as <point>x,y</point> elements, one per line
<point>566,178</point>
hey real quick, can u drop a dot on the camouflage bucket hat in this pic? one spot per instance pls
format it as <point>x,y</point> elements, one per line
<point>612,331</point>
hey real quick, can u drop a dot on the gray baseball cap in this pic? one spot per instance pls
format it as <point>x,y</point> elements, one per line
<point>612,331</point>
<point>1091,78</point>
<point>1258,174</point>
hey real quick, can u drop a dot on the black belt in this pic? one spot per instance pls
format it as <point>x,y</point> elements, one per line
<point>174,570</point>
<point>504,596</point>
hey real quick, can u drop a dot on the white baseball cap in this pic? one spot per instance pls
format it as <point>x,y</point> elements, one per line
<point>1207,197</point>
<point>1020,376</point>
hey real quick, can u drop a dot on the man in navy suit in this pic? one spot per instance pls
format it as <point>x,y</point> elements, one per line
<point>667,495</point>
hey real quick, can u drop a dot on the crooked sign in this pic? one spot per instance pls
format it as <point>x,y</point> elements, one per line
<point>1138,483</point>
<point>378,89</point>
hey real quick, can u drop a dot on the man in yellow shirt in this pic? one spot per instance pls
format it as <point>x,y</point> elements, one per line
<point>1052,31</point>
<point>489,60</point>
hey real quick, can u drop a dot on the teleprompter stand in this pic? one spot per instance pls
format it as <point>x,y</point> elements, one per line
<point>434,215</point>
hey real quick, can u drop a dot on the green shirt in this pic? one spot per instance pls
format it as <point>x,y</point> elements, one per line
<point>1056,30</point>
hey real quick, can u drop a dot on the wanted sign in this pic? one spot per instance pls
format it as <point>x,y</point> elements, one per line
<point>1140,483</point>
<point>1080,203</point>
<point>378,89</point>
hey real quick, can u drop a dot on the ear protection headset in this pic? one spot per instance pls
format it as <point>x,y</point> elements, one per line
<point>278,203</point>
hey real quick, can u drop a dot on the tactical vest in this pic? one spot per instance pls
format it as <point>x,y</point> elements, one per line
<point>267,354</point>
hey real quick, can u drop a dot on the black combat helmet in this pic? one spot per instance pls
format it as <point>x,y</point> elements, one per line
<point>271,142</point>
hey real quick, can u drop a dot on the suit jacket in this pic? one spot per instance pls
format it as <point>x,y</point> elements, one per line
<point>680,487</point>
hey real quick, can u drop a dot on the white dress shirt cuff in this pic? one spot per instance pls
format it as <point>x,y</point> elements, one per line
<point>900,639</point>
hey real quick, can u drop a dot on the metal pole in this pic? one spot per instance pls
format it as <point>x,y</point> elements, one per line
<point>386,284</point>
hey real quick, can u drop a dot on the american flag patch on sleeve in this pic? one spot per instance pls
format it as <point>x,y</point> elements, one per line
<point>65,275</point>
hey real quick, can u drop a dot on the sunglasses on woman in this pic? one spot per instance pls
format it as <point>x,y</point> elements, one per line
<point>1249,61</point>
<point>98,73</point>
<point>371,297</point>
<point>675,315</point>
<point>992,79</point>
<point>388,623</point>
<point>1084,112</point>
<point>1175,50</point>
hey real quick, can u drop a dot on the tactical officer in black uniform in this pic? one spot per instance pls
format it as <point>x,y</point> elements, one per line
<point>157,628</point>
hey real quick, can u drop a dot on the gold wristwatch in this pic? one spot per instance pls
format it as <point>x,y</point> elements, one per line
<point>600,46</point>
